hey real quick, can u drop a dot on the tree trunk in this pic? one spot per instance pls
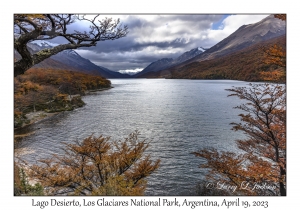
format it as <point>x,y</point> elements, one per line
<point>29,60</point>
<point>21,66</point>
<point>25,63</point>
<point>281,184</point>
<point>282,189</point>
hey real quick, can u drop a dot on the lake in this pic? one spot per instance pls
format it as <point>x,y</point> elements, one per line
<point>177,116</point>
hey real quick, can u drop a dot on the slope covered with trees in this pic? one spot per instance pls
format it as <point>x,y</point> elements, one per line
<point>70,60</point>
<point>260,167</point>
<point>51,91</point>
<point>247,65</point>
<point>30,27</point>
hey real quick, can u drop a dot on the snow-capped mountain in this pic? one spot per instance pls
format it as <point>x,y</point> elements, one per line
<point>221,60</point>
<point>247,35</point>
<point>168,62</point>
<point>189,54</point>
<point>69,60</point>
<point>70,53</point>
<point>44,44</point>
<point>157,65</point>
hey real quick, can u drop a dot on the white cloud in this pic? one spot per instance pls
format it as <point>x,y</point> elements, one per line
<point>131,71</point>
<point>231,24</point>
<point>162,36</point>
<point>167,28</point>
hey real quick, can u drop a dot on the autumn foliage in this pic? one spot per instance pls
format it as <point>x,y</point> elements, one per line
<point>263,153</point>
<point>280,16</point>
<point>97,166</point>
<point>246,65</point>
<point>51,90</point>
<point>275,55</point>
<point>30,27</point>
<point>262,160</point>
<point>80,82</point>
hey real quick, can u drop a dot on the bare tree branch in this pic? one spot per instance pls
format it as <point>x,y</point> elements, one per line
<point>49,26</point>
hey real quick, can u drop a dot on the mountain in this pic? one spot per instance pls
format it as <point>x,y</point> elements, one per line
<point>73,59</point>
<point>69,60</point>
<point>168,62</point>
<point>246,65</point>
<point>156,66</point>
<point>246,36</point>
<point>189,54</point>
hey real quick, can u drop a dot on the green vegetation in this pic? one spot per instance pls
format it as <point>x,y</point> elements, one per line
<point>22,186</point>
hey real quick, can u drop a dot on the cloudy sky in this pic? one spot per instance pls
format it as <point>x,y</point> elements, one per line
<point>152,37</point>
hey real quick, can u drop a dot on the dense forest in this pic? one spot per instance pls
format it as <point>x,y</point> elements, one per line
<point>51,91</point>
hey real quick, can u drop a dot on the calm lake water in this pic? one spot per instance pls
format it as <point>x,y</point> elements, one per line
<point>177,116</point>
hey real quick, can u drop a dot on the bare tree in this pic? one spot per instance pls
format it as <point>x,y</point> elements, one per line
<point>28,28</point>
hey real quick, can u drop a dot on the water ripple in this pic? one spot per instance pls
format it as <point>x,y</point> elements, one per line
<point>178,116</point>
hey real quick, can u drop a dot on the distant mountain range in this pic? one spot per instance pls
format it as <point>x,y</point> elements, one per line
<point>168,62</point>
<point>246,64</point>
<point>245,36</point>
<point>225,60</point>
<point>253,35</point>
<point>70,60</point>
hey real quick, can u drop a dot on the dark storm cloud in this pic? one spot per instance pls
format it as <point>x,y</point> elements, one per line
<point>118,61</point>
<point>153,37</point>
<point>136,25</point>
<point>127,44</point>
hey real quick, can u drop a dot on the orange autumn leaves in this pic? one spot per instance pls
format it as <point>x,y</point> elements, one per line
<point>97,166</point>
<point>275,55</point>
<point>280,16</point>
<point>43,85</point>
<point>48,90</point>
<point>262,158</point>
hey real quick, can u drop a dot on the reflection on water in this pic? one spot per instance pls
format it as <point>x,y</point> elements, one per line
<point>178,116</point>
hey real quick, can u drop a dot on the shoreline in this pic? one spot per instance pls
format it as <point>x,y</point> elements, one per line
<point>35,117</point>
<point>40,116</point>
<point>102,89</point>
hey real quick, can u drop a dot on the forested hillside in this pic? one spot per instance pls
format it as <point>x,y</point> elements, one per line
<point>51,91</point>
<point>247,65</point>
